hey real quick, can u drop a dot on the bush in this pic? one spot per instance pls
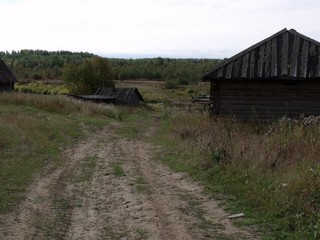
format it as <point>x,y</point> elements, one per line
<point>88,76</point>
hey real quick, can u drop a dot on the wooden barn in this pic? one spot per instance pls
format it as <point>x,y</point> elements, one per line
<point>118,96</point>
<point>279,76</point>
<point>7,79</point>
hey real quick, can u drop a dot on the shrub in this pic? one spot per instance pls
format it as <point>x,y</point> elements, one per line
<point>88,76</point>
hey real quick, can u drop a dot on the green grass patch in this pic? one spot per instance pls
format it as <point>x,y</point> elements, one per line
<point>118,169</point>
<point>140,234</point>
<point>135,122</point>
<point>87,168</point>
<point>139,184</point>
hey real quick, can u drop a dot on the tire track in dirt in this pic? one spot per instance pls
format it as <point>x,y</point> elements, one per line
<point>39,203</point>
<point>184,211</point>
<point>148,201</point>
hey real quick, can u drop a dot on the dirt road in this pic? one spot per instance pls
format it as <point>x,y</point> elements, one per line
<point>111,187</point>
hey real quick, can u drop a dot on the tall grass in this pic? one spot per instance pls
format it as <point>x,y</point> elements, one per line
<point>273,169</point>
<point>61,104</point>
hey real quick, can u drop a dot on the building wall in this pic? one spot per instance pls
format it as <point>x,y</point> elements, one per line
<point>269,99</point>
<point>6,87</point>
<point>134,100</point>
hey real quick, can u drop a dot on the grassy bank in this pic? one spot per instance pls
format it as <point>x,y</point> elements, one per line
<point>34,130</point>
<point>269,172</point>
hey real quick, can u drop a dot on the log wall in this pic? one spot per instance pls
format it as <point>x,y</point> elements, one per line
<point>251,99</point>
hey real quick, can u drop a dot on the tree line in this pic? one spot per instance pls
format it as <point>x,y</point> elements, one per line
<point>40,64</point>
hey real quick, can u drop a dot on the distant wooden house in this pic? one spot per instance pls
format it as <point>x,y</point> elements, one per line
<point>7,79</point>
<point>276,77</point>
<point>118,96</point>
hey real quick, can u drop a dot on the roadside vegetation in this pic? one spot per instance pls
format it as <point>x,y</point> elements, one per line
<point>34,130</point>
<point>269,172</point>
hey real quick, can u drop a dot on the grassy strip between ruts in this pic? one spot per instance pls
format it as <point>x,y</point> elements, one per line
<point>34,129</point>
<point>269,172</point>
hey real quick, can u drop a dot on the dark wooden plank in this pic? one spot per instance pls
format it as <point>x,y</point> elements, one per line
<point>274,58</point>
<point>229,70</point>
<point>261,61</point>
<point>304,59</point>
<point>294,57</point>
<point>318,65</point>
<point>236,68</point>
<point>215,97</point>
<point>284,55</point>
<point>220,71</point>
<point>245,64</point>
<point>267,60</point>
<point>312,65</point>
<point>252,64</point>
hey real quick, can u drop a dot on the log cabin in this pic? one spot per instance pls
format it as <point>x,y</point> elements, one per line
<point>279,76</point>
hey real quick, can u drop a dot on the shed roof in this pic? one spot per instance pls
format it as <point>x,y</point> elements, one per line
<point>122,95</point>
<point>284,55</point>
<point>95,97</point>
<point>6,75</point>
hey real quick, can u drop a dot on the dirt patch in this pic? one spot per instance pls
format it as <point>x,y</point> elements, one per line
<point>110,187</point>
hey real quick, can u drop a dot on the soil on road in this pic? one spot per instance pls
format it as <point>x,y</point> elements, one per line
<point>112,187</point>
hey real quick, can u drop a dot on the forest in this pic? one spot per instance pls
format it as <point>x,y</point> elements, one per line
<point>43,65</point>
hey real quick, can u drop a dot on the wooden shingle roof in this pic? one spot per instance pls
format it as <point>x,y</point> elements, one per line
<point>284,55</point>
<point>122,95</point>
<point>6,75</point>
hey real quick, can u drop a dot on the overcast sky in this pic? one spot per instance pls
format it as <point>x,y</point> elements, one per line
<point>152,28</point>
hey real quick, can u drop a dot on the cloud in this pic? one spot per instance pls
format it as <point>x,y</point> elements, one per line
<point>219,28</point>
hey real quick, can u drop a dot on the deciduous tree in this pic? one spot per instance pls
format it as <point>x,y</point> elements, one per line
<point>88,76</point>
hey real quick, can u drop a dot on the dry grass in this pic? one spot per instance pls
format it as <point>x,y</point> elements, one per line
<point>274,169</point>
<point>60,104</point>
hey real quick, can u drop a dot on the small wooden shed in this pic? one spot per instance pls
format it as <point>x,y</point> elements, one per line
<point>7,79</point>
<point>279,76</point>
<point>118,96</point>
